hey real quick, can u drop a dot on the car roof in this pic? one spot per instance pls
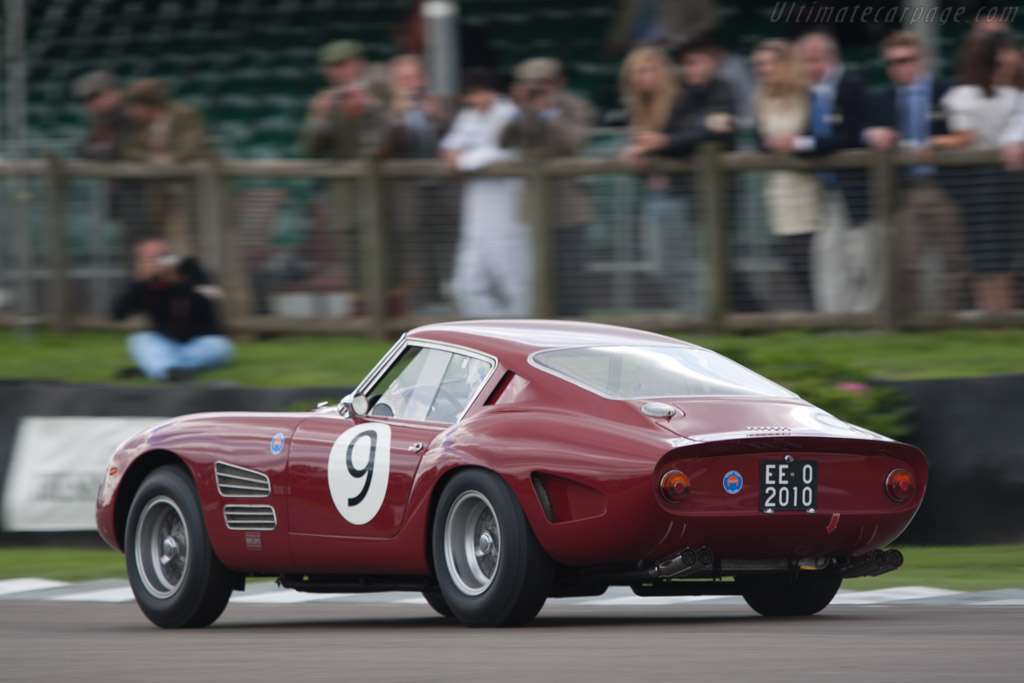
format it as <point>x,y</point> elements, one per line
<point>524,337</point>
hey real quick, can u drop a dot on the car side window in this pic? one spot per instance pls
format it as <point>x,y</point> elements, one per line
<point>428,385</point>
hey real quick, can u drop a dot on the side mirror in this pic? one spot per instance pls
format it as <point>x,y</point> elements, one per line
<point>354,404</point>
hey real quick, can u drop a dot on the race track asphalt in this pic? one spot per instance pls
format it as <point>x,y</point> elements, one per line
<point>57,642</point>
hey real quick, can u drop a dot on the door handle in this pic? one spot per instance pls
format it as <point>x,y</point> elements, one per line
<point>416,447</point>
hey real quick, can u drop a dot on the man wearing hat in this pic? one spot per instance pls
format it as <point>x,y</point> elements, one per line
<point>109,129</point>
<point>166,132</point>
<point>342,117</point>
<point>99,93</point>
<point>555,123</point>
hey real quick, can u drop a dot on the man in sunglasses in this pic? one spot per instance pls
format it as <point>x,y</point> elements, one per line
<point>907,114</point>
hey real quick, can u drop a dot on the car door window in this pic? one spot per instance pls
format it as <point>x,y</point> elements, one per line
<point>428,385</point>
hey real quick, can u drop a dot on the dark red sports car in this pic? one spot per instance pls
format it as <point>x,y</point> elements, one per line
<point>492,465</point>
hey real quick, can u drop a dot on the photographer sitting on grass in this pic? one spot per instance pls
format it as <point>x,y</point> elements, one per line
<point>178,297</point>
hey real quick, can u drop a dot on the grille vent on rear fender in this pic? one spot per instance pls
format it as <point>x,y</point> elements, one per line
<point>542,496</point>
<point>238,482</point>
<point>250,517</point>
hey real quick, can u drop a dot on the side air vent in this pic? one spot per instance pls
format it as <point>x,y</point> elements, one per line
<point>250,517</point>
<point>542,496</point>
<point>237,482</point>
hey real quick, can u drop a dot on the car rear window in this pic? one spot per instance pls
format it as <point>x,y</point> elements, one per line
<point>637,372</point>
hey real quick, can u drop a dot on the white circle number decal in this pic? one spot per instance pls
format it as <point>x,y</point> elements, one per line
<point>358,470</point>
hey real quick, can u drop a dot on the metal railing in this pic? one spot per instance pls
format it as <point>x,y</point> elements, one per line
<point>718,187</point>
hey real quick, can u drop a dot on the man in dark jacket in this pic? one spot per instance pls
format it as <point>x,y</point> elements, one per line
<point>177,296</point>
<point>411,127</point>
<point>704,112</point>
<point>838,110</point>
<point>908,114</point>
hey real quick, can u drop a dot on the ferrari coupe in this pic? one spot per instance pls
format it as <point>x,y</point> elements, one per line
<point>491,465</point>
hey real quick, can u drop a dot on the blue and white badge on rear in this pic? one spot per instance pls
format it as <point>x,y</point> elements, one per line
<point>732,482</point>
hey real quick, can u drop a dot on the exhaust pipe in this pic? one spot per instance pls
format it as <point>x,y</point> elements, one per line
<point>686,563</point>
<point>874,563</point>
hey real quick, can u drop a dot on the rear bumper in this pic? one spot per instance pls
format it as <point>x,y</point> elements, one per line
<point>787,535</point>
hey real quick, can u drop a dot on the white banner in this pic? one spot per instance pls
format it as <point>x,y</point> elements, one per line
<point>56,468</point>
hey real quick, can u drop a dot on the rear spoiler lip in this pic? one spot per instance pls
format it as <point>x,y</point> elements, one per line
<point>728,444</point>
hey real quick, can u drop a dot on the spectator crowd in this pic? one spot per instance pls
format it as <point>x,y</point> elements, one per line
<point>958,229</point>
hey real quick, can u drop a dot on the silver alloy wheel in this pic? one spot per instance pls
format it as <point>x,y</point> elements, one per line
<point>161,547</point>
<point>472,543</point>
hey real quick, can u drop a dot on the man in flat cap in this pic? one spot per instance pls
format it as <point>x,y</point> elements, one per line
<point>109,129</point>
<point>167,132</point>
<point>98,91</point>
<point>555,123</point>
<point>342,118</point>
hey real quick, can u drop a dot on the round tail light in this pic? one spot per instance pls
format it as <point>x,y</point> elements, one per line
<point>900,485</point>
<point>674,486</point>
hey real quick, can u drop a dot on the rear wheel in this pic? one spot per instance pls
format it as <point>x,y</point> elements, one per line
<point>784,595</point>
<point>175,575</point>
<point>490,568</point>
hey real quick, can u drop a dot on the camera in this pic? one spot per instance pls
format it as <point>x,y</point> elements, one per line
<point>168,260</point>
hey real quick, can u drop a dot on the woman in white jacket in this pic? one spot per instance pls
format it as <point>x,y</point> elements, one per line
<point>782,107</point>
<point>980,111</point>
<point>493,272</point>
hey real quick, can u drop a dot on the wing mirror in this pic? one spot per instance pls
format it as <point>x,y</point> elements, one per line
<point>354,405</point>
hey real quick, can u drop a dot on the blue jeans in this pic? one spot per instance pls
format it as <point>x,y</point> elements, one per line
<point>156,354</point>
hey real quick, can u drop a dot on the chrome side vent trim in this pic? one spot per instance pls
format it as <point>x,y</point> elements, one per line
<point>250,517</point>
<point>238,482</point>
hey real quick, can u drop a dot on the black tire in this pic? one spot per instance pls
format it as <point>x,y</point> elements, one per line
<point>178,581</point>
<point>508,583</point>
<point>783,595</point>
<point>436,601</point>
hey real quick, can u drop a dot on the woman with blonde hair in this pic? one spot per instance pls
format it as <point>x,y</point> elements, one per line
<point>782,107</point>
<point>649,88</point>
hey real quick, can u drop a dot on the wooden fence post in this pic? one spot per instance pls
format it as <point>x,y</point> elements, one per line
<point>373,249</point>
<point>885,240</point>
<point>544,280</point>
<point>56,211</point>
<point>219,242</point>
<point>711,183</point>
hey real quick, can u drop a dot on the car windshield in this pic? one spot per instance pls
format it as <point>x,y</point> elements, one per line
<point>637,372</point>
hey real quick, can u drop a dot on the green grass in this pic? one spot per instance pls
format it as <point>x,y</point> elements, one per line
<point>344,360</point>
<point>971,568</point>
<point>925,355</point>
<point>962,568</point>
<point>279,362</point>
<point>61,564</point>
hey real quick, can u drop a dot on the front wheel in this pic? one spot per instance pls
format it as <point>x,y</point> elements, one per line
<point>784,595</point>
<point>175,575</point>
<point>436,601</point>
<point>490,568</point>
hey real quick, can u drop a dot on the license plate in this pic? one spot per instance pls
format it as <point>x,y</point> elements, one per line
<point>789,485</point>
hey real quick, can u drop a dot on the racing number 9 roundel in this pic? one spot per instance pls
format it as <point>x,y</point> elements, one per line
<point>358,470</point>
